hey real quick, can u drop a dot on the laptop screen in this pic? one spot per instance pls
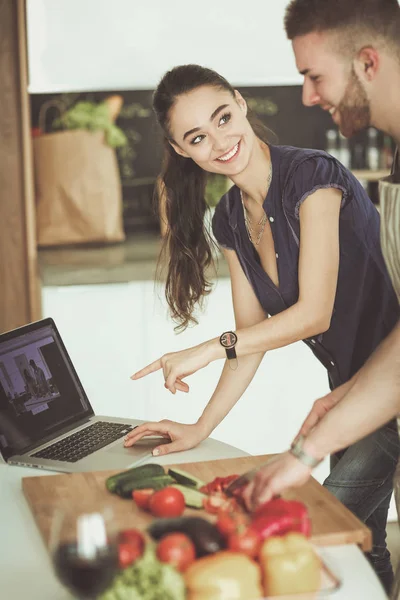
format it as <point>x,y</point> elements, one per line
<point>40,392</point>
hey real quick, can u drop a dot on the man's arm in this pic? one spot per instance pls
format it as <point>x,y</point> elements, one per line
<point>372,401</point>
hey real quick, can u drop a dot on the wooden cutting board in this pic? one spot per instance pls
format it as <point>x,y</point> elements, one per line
<point>332,523</point>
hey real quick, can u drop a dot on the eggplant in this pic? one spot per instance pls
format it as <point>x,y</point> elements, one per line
<point>204,535</point>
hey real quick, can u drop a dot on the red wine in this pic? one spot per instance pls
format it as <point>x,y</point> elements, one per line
<point>87,578</point>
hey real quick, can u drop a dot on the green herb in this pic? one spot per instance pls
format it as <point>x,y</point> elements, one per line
<point>217,186</point>
<point>147,579</point>
<point>94,117</point>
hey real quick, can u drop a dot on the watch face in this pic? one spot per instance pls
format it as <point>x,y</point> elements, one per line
<point>228,339</point>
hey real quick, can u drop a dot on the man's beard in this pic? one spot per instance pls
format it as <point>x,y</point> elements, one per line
<point>354,108</point>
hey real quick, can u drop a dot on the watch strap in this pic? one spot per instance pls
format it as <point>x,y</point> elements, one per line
<point>230,353</point>
<point>306,459</point>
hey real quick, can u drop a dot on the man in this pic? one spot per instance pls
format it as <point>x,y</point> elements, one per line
<point>349,54</point>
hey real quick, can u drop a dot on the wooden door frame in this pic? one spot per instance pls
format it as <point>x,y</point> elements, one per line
<point>20,287</point>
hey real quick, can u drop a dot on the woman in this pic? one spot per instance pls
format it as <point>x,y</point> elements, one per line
<point>301,240</point>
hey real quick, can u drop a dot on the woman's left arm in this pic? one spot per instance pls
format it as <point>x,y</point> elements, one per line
<point>309,316</point>
<point>318,274</point>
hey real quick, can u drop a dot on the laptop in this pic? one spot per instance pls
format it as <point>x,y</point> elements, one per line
<point>46,419</point>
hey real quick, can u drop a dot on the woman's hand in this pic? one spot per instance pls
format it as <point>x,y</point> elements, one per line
<point>180,436</point>
<point>177,365</point>
<point>281,472</point>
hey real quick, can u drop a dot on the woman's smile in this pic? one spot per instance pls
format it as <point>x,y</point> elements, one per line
<point>230,155</point>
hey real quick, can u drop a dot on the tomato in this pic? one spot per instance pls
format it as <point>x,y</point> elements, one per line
<point>230,522</point>
<point>246,541</point>
<point>127,554</point>
<point>168,502</point>
<point>177,549</point>
<point>142,497</point>
<point>134,537</point>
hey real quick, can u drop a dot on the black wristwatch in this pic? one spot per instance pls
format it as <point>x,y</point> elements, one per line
<point>228,340</point>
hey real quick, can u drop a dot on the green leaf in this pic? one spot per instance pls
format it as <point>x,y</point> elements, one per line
<point>93,117</point>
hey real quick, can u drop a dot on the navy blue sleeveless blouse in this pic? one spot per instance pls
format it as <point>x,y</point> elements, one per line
<point>366,308</point>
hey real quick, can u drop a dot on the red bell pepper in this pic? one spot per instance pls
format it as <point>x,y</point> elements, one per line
<point>279,516</point>
<point>219,502</point>
<point>219,484</point>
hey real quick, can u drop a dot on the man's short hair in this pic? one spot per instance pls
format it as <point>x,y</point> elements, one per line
<point>355,20</point>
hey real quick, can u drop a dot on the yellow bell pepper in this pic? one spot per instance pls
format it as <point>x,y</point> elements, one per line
<point>290,565</point>
<point>223,576</point>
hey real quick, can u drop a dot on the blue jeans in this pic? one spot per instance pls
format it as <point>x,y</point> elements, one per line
<point>361,478</point>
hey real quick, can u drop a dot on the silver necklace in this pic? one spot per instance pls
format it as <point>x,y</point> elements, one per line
<point>255,239</point>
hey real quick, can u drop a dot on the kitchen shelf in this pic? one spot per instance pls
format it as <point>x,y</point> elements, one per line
<point>368,175</point>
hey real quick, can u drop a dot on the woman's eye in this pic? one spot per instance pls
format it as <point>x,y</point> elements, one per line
<point>197,139</point>
<point>315,78</point>
<point>225,119</point>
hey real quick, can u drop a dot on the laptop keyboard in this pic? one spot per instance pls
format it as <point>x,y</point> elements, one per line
<point>85,442</point>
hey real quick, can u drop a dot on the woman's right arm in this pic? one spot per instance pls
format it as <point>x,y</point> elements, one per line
<point>232,383</point>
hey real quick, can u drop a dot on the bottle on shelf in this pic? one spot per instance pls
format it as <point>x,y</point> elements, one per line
<point>331,145</point>
<point>373,161</point>
<point>387,153</point>
<point>359,157</point>
<point>344,151</point>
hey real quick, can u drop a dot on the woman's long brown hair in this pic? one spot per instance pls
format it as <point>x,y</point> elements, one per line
<point>187,246</point>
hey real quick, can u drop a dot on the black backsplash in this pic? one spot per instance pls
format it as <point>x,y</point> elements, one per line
<point>279,107</point>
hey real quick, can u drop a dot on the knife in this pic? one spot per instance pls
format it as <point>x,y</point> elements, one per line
<point>244,479</point>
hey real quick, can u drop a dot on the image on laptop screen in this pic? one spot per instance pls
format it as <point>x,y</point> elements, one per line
<point>39,392</point>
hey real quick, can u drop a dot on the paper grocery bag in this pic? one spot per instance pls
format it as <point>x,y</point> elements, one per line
<point>78,189</point>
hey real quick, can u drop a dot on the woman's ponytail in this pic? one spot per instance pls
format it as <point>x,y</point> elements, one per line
<point>186,244</point>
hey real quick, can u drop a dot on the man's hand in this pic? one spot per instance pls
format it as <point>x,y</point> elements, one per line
<point>319,409</point>
<point>281,472</point>
<point>323,405</point>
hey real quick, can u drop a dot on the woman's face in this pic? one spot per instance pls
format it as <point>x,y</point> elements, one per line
<point>210,126</point>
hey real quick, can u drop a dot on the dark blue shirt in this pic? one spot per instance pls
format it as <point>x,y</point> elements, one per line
<point>366,308</point>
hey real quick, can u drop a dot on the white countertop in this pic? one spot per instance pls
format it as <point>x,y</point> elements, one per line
<point>26,572</point>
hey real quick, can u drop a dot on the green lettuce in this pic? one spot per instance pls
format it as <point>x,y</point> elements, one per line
<point>147,579</point>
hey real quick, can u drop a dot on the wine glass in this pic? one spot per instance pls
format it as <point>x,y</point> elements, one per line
<point>84,551</point>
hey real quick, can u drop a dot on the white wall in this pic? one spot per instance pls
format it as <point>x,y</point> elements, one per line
<point>111,331</point>
<point>78,45</point>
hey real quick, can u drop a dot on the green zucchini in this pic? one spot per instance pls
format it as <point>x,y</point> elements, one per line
<point>193,498</point>
<point>186,478</point>
<point>126,486</point>
<point>137,473</point>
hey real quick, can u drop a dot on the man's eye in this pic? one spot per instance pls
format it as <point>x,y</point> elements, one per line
<point>197,139</point>
<point>315,78</point>
<point>225,119</point>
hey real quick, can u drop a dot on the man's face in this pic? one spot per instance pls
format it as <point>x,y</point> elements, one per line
<point>331,82</point>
